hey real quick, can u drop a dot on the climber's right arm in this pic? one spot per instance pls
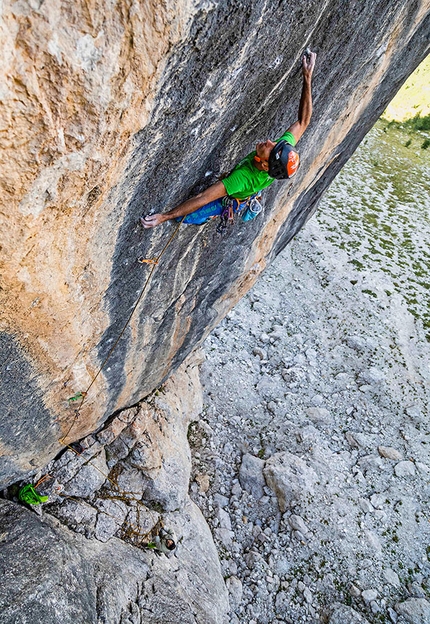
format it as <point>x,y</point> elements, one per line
<point>215,191</point>
<point>305,107</point>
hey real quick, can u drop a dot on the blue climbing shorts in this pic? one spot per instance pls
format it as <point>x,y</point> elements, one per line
<point>212,210</point>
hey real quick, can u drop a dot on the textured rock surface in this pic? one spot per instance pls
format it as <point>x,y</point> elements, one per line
<point>107,111</point>
<point>102,570</point>
<point>50,574</point>
<point>346,615</point>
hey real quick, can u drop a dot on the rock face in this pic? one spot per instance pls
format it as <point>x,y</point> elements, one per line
<point>86,558</point>
<point>108,111</point>
<point>50,574</point>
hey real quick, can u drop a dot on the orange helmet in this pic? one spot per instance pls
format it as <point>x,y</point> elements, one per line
<point>284,161</point>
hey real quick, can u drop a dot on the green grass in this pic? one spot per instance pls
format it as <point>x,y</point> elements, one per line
<point>412,101</point>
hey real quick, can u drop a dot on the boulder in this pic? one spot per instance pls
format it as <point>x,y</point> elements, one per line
<point>251,475</point>
<point>343,614</point>
<point>415,610</point>
<point>290,478</point>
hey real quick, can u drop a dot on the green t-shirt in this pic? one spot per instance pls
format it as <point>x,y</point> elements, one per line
<point>246,179</point>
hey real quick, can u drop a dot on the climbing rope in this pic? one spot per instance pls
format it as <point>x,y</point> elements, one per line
<point>28,493</point>
<point>81,396</point>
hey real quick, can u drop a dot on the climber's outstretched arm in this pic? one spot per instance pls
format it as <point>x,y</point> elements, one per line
<point>215,191</point>
<point>305,107</point>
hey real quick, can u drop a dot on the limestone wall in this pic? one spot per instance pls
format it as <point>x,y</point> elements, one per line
<point>110,109</point>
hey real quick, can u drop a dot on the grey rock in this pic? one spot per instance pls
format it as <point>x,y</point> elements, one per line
<point>405,469</point>
<point>282,603</point>
<point>224,519</point>
<point>357,439</point>
<point>372,376</point>
<point>74,579</point>
<point>290,478</point>
<point>77,514</point>
<point>390,453</point>
<point>416,590</point>
<point>319,415</point>
<point>358,343</point>
<point>369,595</point>
<point>374,543</point>
<point>297,523</point>
<point>261,353</point>
<point>422,468</point>
<point>392,577</point>
<point>220,500</point>
<point>106,527</point>
<point>365,505</point>
<point>251,475</point>
<point>379,500</point>
<point>308,595</point>
<point>414,610</point>
<point>392,615</point>
<point>415,413</point>
<point>235,591</point>
<point>370,463</point>
<point>354,590</point>
<point>236,489</point>
<point>132,481</point>
<point>343,614</point>
<point>89,478</point>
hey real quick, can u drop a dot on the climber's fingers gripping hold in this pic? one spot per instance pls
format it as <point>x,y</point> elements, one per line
<point>150,221</point>
<point>308,64</point>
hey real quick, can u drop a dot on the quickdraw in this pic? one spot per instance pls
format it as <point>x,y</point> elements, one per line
<point>232,206</point>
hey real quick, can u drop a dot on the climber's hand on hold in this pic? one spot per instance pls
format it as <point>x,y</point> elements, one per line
<point>150,221</point>
<point>308,64</point>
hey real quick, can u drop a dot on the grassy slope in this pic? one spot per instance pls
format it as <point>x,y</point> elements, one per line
<point>414,97</point>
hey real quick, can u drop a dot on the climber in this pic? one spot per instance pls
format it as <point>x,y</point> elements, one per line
<point>164,542</point>
<point>271,160</point>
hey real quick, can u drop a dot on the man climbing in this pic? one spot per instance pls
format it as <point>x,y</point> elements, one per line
<point>271,160</point>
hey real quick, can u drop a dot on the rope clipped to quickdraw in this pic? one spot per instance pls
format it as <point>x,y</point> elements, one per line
<point>81,396</point>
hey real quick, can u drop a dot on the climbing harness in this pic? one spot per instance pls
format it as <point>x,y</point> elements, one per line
<point>233,206</point>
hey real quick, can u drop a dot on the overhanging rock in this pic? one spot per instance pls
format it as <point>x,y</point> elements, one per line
<point>110,112</point>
